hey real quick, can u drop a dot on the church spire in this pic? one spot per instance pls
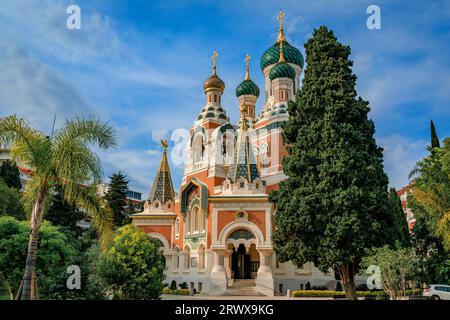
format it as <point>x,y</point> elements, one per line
<point>244,165</point>
<point>162,188</point>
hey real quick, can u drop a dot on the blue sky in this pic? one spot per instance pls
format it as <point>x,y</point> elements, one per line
<point>141,64</point>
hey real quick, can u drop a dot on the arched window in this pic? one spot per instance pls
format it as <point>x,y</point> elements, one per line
<point>195,222</point>
<point>264,155</point>
<point>199,148</point>
<point>224,145</point>
<point>177,228</point>
<point>187,222</point>
<point>200,221</point>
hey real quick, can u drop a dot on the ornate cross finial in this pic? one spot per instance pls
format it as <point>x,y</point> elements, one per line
<point>280,20</point>
<point>164,144</point>
<point>214,60</point>
<point>247,67</point>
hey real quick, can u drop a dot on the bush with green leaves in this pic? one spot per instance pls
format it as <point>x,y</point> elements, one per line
<point>331,293</point>
<point>10,204</point>
<point>173,285</point>
<point>183,292</point>
<point>56,252</point>
<point>398,267</point>
<point>132,267</point>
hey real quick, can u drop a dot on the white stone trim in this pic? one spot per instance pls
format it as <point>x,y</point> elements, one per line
<point>235,225</point>
<point>161,238</point>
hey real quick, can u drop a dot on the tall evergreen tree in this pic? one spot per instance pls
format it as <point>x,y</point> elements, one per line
<point>400,225</point>
<point>10,174</point>
<point>334,203</point>
<point>63,214</point>
<point>117,198</point>
<point>434,138</point>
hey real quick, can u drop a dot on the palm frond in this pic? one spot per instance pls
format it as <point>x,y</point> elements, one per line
<point>21,138</point>
<point>74,161</point>
<point>87,130</point>
<point>86,197</point>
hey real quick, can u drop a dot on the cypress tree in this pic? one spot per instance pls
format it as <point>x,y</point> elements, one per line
<point>434,138</point>
<point>10,174</point>
<point>400,225</point>
<point>334,203</point>
<point>117,198</point>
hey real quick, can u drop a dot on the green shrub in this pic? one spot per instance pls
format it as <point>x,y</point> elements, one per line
<point>173,285</point>
<point>183,292</point>
<point>331,293</point>
<point>166,291</point>
<point>183,285</point>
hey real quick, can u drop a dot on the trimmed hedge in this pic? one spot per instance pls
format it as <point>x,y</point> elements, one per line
<point>331,293</point>
<point>183,292</point>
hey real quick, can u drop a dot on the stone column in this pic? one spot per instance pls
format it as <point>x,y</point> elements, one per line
<point>218,273</point>
<point>168,257</point>
<point>208,260</point>
<point>181,255</point>
<point>175,265</point>
<point>264,278</point>
<point>227,262</point>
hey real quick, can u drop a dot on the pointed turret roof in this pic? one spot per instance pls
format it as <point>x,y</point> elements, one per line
<point>244,164</point>
<point>162,188</point>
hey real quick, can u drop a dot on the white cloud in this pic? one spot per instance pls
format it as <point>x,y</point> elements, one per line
<point>400,156</point>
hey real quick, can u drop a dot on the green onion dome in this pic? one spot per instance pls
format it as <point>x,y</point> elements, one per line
<point>247,87</point>
<point>282,70</point>
<point>272,55</point>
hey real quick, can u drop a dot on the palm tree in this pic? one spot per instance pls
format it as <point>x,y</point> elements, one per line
<point>63,158</point>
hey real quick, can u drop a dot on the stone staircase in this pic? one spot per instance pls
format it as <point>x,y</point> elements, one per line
<point>242,287</point>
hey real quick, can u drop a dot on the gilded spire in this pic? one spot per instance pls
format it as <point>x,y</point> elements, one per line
<point>280,17</point>
<point>243,109</point>
<point>281,53</point>
<point>214,61</point>
<point>162,188</point>
<point>244,164</point>
<point>247,67</point>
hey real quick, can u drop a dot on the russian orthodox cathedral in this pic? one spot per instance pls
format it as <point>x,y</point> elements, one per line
<point>216,233</point>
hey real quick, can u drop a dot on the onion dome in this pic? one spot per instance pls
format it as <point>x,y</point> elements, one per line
<point>247,86</point>
<point>282,69</point>
<point>214,82</point>
<point>272,55</point>
<point>291,53</point>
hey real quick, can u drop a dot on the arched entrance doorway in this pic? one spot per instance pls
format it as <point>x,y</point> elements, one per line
<point>244,262</point>
<point>244,258</point>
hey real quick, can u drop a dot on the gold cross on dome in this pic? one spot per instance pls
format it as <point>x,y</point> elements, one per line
<point>247,59</point>
<point>247,67</point>
<point>214,60</point>
<point>280,18</point>
<point>164,144</point>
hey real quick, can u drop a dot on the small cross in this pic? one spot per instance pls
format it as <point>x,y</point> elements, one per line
<point>280,18</point>
<point>164,144</point>
<point>214,60</point>
<point>247,60</point>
